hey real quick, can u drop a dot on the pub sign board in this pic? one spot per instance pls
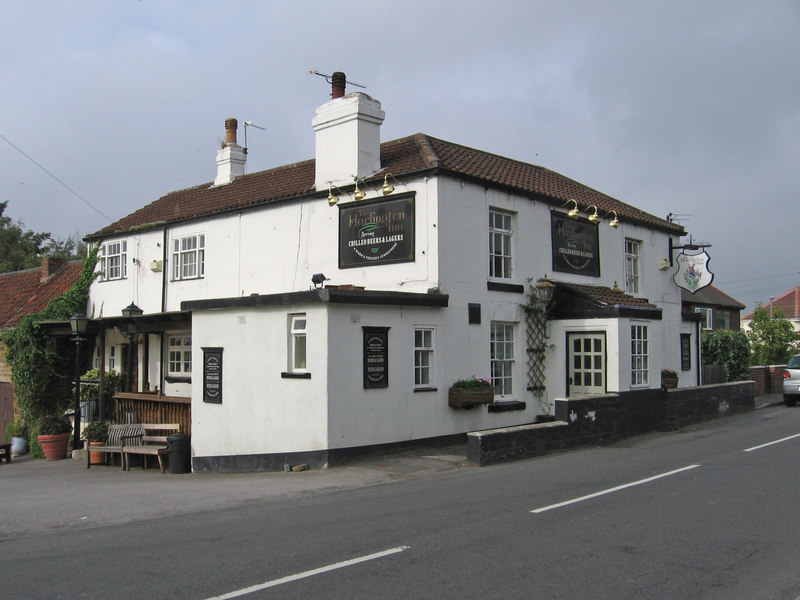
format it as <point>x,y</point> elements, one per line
<point>376,357</point>
<point>376,233</point>
<point>212,375</point>
<point>576,245</point>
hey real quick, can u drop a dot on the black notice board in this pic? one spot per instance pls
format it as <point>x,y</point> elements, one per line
<point>376,357</point>
<point>212,375</point>
<point>576,246</point>
<point>686,352</point>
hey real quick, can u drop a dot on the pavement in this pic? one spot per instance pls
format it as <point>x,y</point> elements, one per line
<point>39,496</point>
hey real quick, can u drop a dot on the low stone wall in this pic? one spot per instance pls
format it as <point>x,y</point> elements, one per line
<point>605,419</point>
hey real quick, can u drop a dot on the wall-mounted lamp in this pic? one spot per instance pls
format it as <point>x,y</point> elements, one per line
<point>617,289</point>
<point>544,289</point>
<point>332,198</point>
<point>387,187</point>
<point>357,193</point>
<point>574,211</point>
<point>132,311</point>
<point>318,279</point>
<point>593,217</point>
<point>613,222</point>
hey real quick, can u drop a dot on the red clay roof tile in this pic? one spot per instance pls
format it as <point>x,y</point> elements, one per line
<point>23,293</point>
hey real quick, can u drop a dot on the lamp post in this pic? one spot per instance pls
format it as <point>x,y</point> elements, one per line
<point>79,324</point>
<point>131,311</point>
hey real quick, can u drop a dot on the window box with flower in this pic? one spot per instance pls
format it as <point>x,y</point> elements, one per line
<point>669,378</point>
<point>466,393</point>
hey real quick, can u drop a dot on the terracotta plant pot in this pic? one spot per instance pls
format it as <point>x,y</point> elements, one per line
<point>669,382</point>
<point>54,446</point>
<point>96,458</point>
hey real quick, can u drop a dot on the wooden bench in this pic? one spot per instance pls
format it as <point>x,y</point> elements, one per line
<point>5,451</point>
<point>151,443</point>
<point>114,442</point>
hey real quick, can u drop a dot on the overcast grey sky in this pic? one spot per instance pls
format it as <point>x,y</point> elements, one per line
<point>687,107</point>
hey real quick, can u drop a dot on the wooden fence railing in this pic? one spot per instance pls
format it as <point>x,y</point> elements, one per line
<point>152,408</point>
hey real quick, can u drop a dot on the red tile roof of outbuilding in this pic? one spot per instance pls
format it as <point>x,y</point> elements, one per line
<point>24,292</point>
<point>403,158</point>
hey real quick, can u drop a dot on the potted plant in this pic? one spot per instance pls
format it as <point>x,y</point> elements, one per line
<point>17,433</point>
<point>466,393</point>
<point>53,436</point>
<point>96,434</point>
<point>669,378</point>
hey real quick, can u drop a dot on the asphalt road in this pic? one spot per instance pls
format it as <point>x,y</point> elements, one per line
<point>709,512</point>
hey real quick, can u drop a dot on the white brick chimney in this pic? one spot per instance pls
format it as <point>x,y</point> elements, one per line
<point>231,156</point>
<point>348,141</point>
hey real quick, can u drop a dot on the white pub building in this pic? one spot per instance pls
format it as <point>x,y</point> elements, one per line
<point>320,309</point>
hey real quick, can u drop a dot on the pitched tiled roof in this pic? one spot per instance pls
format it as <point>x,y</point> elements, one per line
<point>606,296</point>
<point>24,292</point>
<point>789,303</point>
<point>710,295</point>
<point>403,158</point>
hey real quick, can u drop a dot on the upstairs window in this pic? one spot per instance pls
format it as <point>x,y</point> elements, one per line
<point>188,257</point>
<point>180,355</point>
<point>114,260</point>
<point>632,266</point>
<point>500,234</point>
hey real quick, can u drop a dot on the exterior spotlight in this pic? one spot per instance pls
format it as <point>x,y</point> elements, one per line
<point>593,217</point>
<point>574,211</point>
<point>318,279</point>
<point>358,194</point>
<point>614,222</point>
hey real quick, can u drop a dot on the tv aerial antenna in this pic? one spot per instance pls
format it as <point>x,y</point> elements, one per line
<point>250,124</point>
<point>329,78</point>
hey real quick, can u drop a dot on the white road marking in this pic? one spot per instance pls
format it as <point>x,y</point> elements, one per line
<point>614,489</point>
<point>311,573</point>
<point>791,437</point>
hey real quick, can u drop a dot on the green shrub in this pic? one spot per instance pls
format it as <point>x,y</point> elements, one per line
<point>731,349</point>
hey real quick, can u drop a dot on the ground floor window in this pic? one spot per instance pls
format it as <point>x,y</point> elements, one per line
<point>502,358</point>
<point>640,355</point>
<point>180,355</point>
<point>297,343</point>
<point>423,357</point>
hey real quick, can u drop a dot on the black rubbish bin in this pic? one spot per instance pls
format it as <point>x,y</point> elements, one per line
<point>179,452</point>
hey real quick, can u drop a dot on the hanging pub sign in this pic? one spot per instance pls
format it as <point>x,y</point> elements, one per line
<point>376,357</point>
<point>576,247</point>
<point>376,233</point>
<point>212,375</point>
<point>693,274</point>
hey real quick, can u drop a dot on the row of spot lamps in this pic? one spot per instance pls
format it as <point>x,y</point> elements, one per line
<point>359,194</point>
<point>593,217</point>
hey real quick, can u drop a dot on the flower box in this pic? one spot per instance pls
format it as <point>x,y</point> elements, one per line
<point>458,397</point>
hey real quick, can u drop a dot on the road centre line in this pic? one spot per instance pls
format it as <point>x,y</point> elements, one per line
<point>311,573</point>
<point>791,437</point>
<point>614,489</point>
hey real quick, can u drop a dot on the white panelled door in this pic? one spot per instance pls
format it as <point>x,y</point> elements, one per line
<point>587,363</point>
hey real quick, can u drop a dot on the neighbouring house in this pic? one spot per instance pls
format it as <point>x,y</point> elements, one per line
<point>716,308</point>
<point>788,303</point>
<point>24,293</point>
<point>324,308</point>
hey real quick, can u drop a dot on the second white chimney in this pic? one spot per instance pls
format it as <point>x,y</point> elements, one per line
<point>348,141</point>
<point>231,156</point>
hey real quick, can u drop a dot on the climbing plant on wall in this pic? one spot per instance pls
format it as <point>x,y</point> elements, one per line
<point>41,365</point>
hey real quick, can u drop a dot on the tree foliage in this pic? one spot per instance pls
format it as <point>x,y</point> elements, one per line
<point>772,338</point>
<point>23,249</point>
<point>41,364</point>
<point>731,349</point>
